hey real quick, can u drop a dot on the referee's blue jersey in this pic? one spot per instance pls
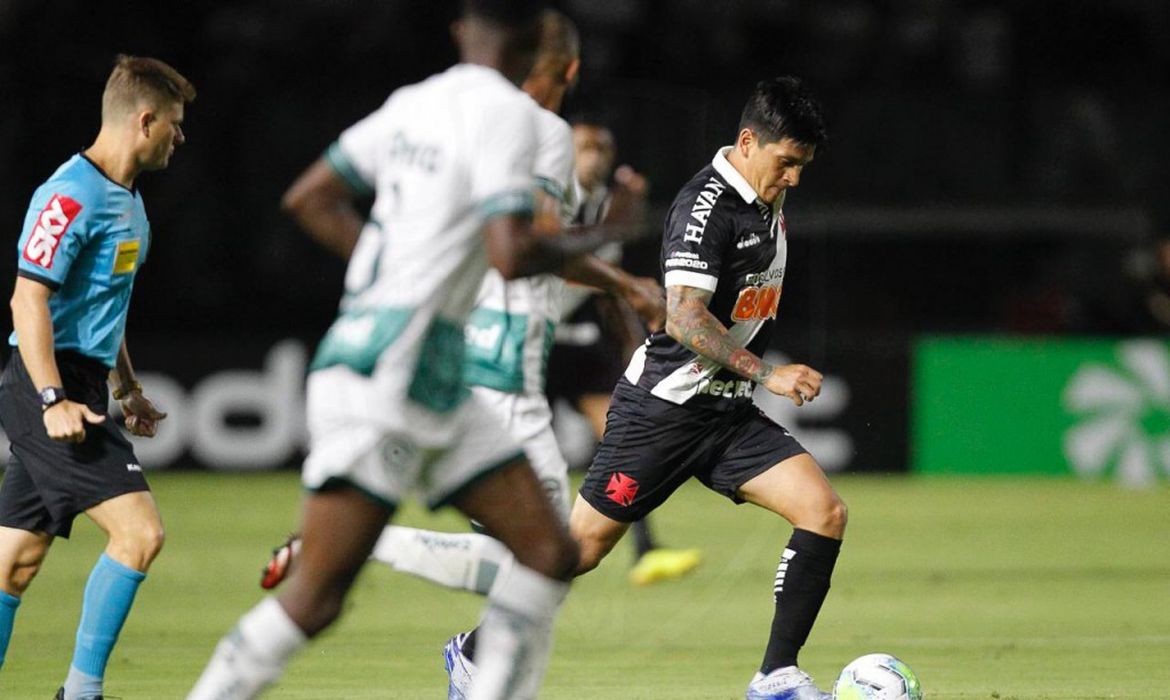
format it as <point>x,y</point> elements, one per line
<point>85,236</point>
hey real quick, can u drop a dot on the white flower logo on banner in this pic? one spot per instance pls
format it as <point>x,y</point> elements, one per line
<point>1124,415</point>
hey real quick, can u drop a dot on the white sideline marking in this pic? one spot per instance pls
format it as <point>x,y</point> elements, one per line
<point>1008,640</point>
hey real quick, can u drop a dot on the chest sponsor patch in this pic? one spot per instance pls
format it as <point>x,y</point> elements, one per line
<point>126,257</point>
<point>49,228</point>
<point>756,303</point>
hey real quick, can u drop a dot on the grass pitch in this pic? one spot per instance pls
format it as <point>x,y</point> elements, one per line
<point>1008,589</point>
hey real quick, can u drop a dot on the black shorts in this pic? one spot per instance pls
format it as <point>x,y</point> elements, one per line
<point>586,358</point>
<point>651,446</point>
<point>47,483</point>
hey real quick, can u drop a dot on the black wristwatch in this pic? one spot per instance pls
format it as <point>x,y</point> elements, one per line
<point>51,396</point>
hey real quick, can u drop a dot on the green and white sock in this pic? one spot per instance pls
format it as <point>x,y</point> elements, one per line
<point>252,656</point>
<point>463,561</point>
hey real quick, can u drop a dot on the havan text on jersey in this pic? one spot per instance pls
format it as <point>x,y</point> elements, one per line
<point>701,210</point>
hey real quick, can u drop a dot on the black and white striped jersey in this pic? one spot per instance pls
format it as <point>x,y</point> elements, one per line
<point>719,237</point>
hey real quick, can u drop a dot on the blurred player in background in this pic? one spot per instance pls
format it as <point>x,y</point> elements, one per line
<point>450,162</point>
<point>684,406</point>
<point>84,239</point>
<point>600,334</point>
<point>508,337</point>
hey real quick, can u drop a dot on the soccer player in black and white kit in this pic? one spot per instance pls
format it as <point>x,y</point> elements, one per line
<point>684,405</point>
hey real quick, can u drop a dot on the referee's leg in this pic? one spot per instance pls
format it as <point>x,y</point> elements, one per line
<point>21,554</point>
<point>134,528</point>
<point>135,537</point>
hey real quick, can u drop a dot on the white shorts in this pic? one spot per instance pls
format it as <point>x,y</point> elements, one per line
<point>390,463</point>
<point>528,419</point>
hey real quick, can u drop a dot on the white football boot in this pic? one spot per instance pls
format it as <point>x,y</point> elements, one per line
<point>460,669</point>
<point>787,683</point>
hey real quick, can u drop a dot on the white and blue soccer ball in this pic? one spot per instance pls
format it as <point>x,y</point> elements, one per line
<point>877,677</point>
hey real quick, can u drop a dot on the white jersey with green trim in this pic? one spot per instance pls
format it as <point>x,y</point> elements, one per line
<point>510,333</point>
<point>441,157</point>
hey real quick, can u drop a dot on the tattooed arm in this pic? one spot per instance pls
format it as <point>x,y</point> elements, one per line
<point>691,323</point>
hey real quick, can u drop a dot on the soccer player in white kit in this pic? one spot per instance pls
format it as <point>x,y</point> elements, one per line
<point>510,333</point>
<point>508,337</point>
<point>451,163</point>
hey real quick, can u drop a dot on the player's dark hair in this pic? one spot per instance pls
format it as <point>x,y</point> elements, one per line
<point>510,13</point>
<point>137,78</point>
<point>784,108</point>
<point>560,44</point>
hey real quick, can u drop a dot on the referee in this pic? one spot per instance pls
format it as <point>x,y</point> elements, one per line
<point>84,238</point>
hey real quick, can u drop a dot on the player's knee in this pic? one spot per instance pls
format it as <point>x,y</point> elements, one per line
<point>570,554</point>
<point>147,543</point>
<point>596,537</point>
<point>826,516</point>
<point>313,605</point>
<point>592,551</point>
<point>20,577</point>
<point>153,542</point>
<point>322,615</point>
<point>138,547</point>
<point>835,518</point>
<point>19,566</point>
<point>588,561</point>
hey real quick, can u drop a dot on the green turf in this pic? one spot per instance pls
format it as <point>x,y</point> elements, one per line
<point>988,588</point>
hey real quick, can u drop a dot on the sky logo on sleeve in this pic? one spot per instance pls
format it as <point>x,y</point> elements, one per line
<point>50,226</point>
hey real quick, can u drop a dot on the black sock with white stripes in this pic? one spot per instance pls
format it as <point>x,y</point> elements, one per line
<point>802,582</point>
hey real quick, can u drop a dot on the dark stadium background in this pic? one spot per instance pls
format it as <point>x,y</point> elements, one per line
<point>994,167</point>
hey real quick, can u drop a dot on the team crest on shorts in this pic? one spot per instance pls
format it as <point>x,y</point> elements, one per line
<point>621,489</point>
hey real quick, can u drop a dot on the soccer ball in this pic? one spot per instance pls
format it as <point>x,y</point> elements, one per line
<point>877,677</point>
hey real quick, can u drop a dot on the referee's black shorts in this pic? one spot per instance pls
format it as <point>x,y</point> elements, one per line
<point>651,446</point>
<point>47,483</point>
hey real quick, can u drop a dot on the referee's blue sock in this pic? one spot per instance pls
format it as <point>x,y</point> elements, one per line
<point>8,606</point>
<point>108,597</point>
